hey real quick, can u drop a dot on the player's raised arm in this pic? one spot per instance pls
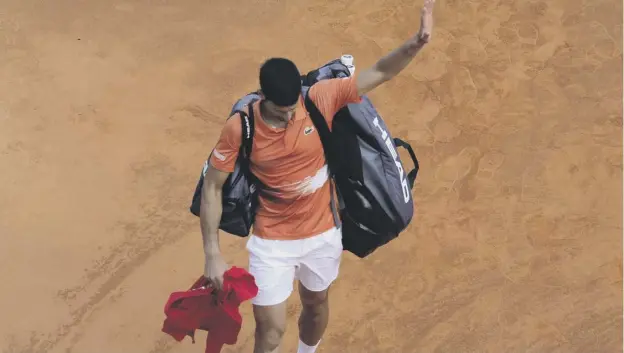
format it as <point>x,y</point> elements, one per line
<point>393,63</point>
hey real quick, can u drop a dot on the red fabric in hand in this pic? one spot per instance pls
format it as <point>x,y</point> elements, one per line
<point>203,308</point>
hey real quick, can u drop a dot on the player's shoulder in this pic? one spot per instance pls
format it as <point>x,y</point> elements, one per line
<point>329,82</point>
<point>330,86</point>
<point>233,126</point>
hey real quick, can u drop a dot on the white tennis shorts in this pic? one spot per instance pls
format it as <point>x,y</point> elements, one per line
<point>275,264</point>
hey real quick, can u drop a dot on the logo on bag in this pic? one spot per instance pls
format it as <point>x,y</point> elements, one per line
<point>247,127</point>
<point>395,156</point>
<point>205,168</point>
<point>308,130</point>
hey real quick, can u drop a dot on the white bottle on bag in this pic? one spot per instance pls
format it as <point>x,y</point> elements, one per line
<point>347,60</point>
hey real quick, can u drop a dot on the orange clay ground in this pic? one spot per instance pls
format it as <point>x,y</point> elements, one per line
<point>108,110</point>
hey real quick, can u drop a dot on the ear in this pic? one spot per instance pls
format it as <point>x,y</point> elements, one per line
<point>259,91</point>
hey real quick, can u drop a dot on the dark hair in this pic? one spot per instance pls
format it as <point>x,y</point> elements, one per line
<point>280,81</point>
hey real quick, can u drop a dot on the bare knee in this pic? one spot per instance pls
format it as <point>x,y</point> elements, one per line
<point>270,328</point>
<point>314,316</point>
<point>268,338</point>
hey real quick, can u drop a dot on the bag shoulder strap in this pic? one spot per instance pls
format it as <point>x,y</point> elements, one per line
<point>247,129</point>
<point>325,135</point>
<point>323,130</point>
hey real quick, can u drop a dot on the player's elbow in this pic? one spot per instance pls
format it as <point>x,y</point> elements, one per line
<point>370,79</point>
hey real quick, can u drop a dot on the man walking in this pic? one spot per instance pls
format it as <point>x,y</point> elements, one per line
<point>294,234</point>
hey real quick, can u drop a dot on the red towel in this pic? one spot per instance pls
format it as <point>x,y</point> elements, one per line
<point>202,308</point>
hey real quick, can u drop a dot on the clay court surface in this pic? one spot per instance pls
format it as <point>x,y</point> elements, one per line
<point>108,109</point>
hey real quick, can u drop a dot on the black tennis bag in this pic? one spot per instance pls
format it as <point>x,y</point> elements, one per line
<point>374,189</point>
<point>239,193</point>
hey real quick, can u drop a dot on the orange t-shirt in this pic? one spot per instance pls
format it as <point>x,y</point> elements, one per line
<point>290,162</point>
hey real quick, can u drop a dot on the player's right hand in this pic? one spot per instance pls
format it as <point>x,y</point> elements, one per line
<point>214,269</point>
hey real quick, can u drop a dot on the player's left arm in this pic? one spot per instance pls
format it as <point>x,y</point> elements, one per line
<point>390,65</point>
